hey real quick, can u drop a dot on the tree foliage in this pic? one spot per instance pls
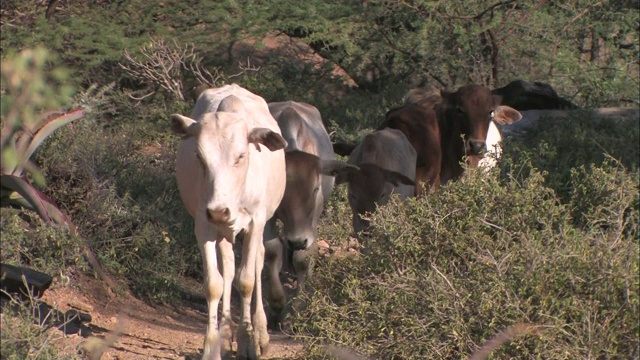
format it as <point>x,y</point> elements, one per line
<point>587,49</point>
<point>579,46</point>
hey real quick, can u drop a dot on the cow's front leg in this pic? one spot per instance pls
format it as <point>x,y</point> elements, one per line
<point>303,262</point>
<point>227,260</point>
<point>245,282</point>
<point>213,286</point>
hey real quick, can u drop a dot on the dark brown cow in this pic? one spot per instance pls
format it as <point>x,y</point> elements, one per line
<point>446,129</point>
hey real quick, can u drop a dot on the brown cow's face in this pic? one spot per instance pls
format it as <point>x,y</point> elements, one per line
<point>473,108</point>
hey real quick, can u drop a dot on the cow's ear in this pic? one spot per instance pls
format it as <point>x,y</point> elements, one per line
<point>497,100</point>
<point>272,140</point>
<point>505,115</point>
<point>336,168</point>
<point>395,178</point>
<point>184,125</point>
<point>344,177</point>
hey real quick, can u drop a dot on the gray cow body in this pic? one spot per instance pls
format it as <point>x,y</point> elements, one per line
<point>311,167</point>
<point>387,165</point>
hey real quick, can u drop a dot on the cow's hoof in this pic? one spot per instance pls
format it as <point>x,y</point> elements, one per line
<point>247,349</point>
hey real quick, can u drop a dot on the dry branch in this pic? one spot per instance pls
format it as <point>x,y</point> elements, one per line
<point>165,65</point>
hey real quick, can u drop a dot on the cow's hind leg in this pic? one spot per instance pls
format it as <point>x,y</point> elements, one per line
<point>259,318</point>
<point>274,256</point>
<point>274,251</point>
<point>227,261</point>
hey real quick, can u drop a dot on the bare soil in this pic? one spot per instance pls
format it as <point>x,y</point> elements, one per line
<point>140,330</point>
<point>135,329</point>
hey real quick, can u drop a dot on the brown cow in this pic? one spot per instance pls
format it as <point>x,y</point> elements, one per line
<point>446,129</point>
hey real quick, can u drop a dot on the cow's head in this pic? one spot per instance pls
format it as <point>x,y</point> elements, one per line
<point>304,195</point>
<point>223,147</point>
<point>368,187</point>
<point>470,109</point>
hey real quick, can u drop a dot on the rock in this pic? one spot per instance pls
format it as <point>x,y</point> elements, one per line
<point>323,244</point>
<point>76,304</point>
<point>11,280</point>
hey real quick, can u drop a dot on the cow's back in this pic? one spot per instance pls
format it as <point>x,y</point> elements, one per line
<point>301,126</point>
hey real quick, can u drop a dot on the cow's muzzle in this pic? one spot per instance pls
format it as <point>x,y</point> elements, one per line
<point>219,216</point>
<point>475,147</point>
<point>298,244</point>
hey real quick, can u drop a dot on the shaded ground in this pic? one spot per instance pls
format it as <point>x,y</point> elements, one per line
<point>138,329</point>
<point>144,332</point>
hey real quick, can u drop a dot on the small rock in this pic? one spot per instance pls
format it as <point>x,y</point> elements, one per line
<point>323,244</point>
<point>113,319</point>
<point>76,304</point>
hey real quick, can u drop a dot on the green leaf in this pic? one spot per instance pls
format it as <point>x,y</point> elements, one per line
<point>44,132</point>
<point>29,197</point>
<point>28,192</point>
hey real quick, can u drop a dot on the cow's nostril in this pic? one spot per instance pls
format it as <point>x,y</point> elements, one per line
<point>476,147</point>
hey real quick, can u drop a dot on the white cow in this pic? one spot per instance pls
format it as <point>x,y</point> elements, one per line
<point>231,178</point>
<point>311,167</point>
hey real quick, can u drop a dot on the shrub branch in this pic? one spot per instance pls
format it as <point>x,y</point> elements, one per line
<point>166,65</point>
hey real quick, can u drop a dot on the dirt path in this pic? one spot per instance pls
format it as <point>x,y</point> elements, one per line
<point>146,332</point>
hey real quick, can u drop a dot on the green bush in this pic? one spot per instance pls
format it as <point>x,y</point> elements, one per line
<point>119,188</point>
<point>443,274</point>
<point>49,249</point>
<point>559,145</point>
<point>22,338</point>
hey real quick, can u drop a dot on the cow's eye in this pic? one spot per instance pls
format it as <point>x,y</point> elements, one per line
<point>492,115</point>
<point>239,159</point>
<point>315,190</point>
<point>459,109</point>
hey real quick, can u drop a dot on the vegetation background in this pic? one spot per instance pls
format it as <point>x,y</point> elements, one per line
<point>549,238</point>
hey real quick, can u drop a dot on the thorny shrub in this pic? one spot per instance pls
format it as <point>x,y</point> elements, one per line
<point>442,274</point>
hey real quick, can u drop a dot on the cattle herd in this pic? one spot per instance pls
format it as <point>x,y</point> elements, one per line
<point>243,164</point>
